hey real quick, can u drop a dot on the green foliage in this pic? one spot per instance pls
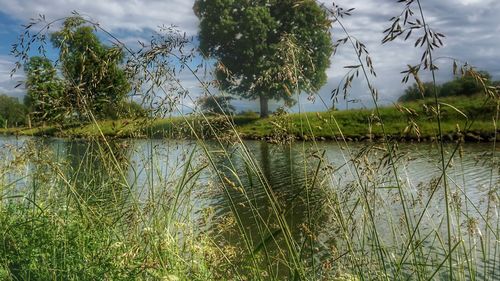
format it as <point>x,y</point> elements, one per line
<point>413,92</point>
<point>124,109</point>
<point>465,86</point>
<point>216,104</point>
<point>12,112</point>
<point>96,83</point>
<point>267,49</point>
<point>36,245</point>
<point>58,243</point>
<point>45,97</point>
<point>461,86</point>
<point>132,109</point>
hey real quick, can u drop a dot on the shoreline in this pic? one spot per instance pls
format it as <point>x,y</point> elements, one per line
<point>469,119</point>
<point>51,132</point>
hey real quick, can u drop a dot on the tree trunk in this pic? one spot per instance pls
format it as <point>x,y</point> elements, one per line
<point>264,109</point>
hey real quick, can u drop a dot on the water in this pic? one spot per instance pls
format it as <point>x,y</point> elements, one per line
<point>304,177</point>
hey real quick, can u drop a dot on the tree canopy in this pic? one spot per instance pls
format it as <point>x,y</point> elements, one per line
<point>45,90</point>
<point>95,80</point>
<point>268,48</point>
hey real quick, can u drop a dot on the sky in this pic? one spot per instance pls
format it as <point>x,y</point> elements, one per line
<point>472,29</point>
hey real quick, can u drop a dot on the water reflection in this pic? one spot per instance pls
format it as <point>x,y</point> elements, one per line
<point>287,174</point>
<point>121,173</point>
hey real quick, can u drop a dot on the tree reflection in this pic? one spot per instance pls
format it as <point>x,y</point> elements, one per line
<point>290,174</point>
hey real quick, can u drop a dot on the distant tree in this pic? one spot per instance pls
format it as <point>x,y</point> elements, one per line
<point>462,86</point>
<point>216,104</point>
<point>95,80</point>
<point>267,49</point>
<point>45,91</point>
<point>12,112</point>
<point>415,93</point>
<point>452,88</point>
<point>128,109</point>
<point>465,85</point>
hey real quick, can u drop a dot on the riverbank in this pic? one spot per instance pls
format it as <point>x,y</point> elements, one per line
<point>467,118</point>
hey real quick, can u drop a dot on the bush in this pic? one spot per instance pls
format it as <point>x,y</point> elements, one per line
<point>125,109</point>
<point>413,92</point>
<point>460,87</point>
<point>463,86</point>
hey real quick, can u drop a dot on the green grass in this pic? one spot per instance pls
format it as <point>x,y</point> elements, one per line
<point>360,124</point>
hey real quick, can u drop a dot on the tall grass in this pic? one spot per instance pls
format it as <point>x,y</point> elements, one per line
<point>115,214</point>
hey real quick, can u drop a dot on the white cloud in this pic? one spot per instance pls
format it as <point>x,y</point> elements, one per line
<point>8,83</point>
<point>474,2</point>
<point>134,15</point>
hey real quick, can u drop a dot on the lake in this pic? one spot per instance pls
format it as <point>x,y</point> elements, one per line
<point>331,196</point>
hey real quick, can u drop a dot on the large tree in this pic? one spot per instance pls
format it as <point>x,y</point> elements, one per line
<point>95,81</point>
<point>267,49</point>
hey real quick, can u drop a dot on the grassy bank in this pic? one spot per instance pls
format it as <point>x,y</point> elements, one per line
<point>470,118</point>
